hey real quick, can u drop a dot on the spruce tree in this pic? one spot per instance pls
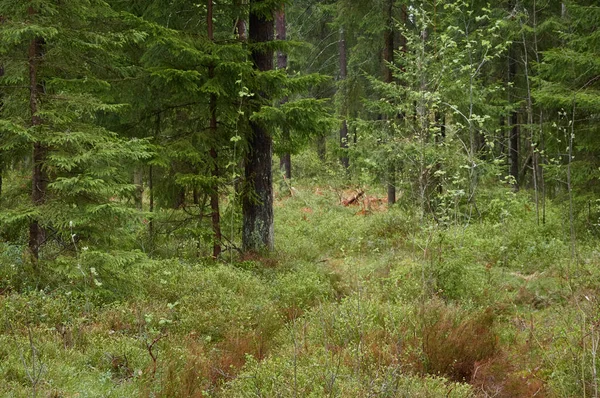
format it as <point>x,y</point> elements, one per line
<point>53,105</point>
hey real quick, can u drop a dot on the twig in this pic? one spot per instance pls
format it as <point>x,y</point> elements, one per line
<point>152,355</point>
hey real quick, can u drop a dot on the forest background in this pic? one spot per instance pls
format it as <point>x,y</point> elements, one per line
<point>303,198</point>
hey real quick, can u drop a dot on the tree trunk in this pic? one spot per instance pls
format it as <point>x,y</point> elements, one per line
<point>151,182</point>
<point>388,77</point>
<point>214,207</point>
<point>179,201</point>
<point>212,106</point>
<point>440,120</point>
<point>241,28</point>
<point>257,205</point>
<point>1,104</point>
<point>138,181</point>
<point>514,139</point>
<point>322,148</point>
<point>285,163</point>
<point>343,74</point>
<point>513,142</point>
<point>39,180</point>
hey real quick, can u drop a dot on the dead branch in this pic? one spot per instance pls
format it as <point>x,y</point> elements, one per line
<point>354,199</point>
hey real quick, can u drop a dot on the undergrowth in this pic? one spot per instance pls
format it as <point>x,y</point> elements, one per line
<point>356,301</point>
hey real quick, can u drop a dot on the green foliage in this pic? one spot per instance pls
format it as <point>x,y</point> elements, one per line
<point>463,288</point>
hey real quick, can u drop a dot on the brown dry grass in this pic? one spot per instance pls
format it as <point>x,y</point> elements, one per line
<point>453,342</point>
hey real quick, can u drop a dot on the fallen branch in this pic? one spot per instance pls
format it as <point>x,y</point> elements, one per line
<point>354,199</point>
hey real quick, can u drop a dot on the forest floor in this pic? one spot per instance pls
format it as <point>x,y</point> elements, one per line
<point>357,301</point>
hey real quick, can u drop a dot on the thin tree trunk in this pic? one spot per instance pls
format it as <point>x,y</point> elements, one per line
<point>214,207</point>
<point>179,198</point>
<point>257,205</point>
<point>1,104</point>
<point>39,180</point>
<point>388,57</point>
<point>541,148</point>
<point>285,163</point>
<point>322,148</point>
<point>570,185</point>
<point>343,74</point>
<point>241,28</point>
<point>215,174</point>
<point>151,182</point>
<point>151,209</point>
<point>530,127</point>
<point>138,181</point>
<point>513,146</point>
<point>440,120</point>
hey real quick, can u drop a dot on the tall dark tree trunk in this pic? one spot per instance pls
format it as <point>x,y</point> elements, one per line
<point>257,205</point>
<point>212,106</point>
<point>388,77</point>
<point>285,163</point>
<point>343,75</point>
<point>39,179</point>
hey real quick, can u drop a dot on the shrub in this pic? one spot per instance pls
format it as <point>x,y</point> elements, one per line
<point>454,341</point>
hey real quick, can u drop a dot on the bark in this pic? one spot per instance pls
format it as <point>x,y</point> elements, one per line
<point>285,163</point>
<point>39,179</point>
<point>257,204</point>
<point>343,74</point>
<point>215,173</point>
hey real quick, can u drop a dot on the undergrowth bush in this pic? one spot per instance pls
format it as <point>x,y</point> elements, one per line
<point>454,340</point>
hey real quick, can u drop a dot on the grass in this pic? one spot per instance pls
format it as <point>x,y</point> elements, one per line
<point>356,301</point>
